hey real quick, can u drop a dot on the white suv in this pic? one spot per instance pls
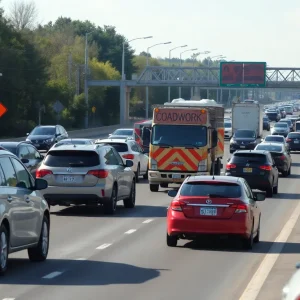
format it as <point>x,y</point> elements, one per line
<point>130,150</point>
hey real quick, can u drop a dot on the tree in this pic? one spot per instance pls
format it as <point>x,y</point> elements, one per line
<point>23,15</point>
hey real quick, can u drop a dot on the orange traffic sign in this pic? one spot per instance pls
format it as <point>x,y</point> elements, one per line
<point>3,109</point>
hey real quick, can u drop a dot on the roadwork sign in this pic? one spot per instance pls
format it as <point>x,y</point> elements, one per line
<point>3,109</point>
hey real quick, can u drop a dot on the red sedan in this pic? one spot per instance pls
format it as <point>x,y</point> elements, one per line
<point>219,205</point>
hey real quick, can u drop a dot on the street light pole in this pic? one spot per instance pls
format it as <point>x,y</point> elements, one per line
<point>170,51</point>
<point>123,80</point>
<point>147,88</point>
<point>86,90</point>
<point>180,63</point>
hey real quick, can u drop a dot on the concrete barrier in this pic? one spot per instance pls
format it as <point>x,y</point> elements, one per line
<point>97,132</point>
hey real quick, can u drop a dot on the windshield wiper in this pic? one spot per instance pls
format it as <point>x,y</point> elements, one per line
<point>191,146</point>
<point>164,145</point>
<point>216,196</point>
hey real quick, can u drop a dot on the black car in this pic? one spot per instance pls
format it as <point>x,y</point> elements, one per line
<point>44,137</point>
<point>281,156</point>
<point>257,167</point>
<point>273,115</point>
<point>243,139</point>
<point>266,123</point>
<point>26,152</point>
<point>293,140</point>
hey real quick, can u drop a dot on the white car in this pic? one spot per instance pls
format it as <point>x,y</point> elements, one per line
<point>227,129</point>
<point>291,290</point>
<point>130,150</point>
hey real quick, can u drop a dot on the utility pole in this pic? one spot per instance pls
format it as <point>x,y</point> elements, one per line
<point>78,80</point>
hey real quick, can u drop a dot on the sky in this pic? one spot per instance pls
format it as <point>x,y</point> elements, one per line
<point>256,30</point>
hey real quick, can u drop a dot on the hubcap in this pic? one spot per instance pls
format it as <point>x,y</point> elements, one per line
<point>3,249</point>
<point>45,239</point>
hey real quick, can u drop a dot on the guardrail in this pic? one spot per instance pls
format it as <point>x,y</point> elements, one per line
<point>97,132</point>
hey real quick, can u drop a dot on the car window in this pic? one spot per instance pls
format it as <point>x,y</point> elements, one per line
<point>294,135</point>
<point>43,131</point>
<point>248,157</point>
<point>23,177</point>
<point>2,177</point>
<point>110,158</point>
<point>221,189</point>
<point>34,154</point>
<point>272,148</point>
<point>23,152</point>
<point>249,191</point>
<point>9,172</point>
<point>134,147</point>
<point>120,147</point>
<point>120,160</point>
<point>72,158</point>
<point>272,138</point>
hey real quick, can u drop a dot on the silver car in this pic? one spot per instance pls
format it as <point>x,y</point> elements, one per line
<point>24,214</point>
<point>88,174</point>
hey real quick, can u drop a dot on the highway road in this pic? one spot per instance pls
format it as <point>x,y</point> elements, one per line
<point>125,256</point>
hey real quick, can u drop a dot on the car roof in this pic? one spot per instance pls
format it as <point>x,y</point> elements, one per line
<point>14,144</point>
<point>198,178</point>
<point>46,126</point>
<point>271,144</point>
<point>124,129</point>
<point>76,139</point>
<point>76,147</point>
<point>2,152</point>
<point>271,135</point>
<point>122,141</point>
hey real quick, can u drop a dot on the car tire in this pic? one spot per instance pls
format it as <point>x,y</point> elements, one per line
<point>145,176</point>
<point>154,187</point>
<point>248,243</point>
<point>130,201</point>
<point>257,237</point>
<point>172,240</point>
<point>40,251</point>
<point>137,173</point>
<point>4,242</point>
<point>270,192</point>
<point>110,206</point>
<point>275,189</point>
<point>285,173</point>
<point>290,170</point>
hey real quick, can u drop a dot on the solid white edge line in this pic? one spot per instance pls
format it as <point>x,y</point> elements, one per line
<point>256,283</point>
<point>148,221</point>
<point>8,298</point>
<point>81,258</point>
<point>103,246</point>
<point>130,231</point>
<point>52,275</point>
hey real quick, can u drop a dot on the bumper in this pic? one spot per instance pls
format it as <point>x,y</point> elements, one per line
<point>56,195</point>
<point>294,147</point>
<point>42,146</point>
<point>157,177</point>
<point>234,147</point>
<point>255,182</point>
<point>187,228</point>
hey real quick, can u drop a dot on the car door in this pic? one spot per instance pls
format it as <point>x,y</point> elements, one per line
<point>28,218</point>
<point>20,213</point>
<point>117,170</point>
<point>35,159</point>
<point>125,172</point>
<point>143,159</point>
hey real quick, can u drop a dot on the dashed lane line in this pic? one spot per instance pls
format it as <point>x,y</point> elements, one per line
<point>130,231</point>
<point>103,246</point>
<point>8,298</point>
<point>52,275</point>
<point>256,283</point>
<point>148,221</point>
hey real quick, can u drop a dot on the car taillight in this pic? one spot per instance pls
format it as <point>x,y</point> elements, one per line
<point>282,157</point>
<point>42,173</point>
<point>98,173</point>
<point>266,168</point>
<point>128,156</point>
<point>240,208</point>
<point>176,205</point>
<point>230,166</point>
<point>288,140</point>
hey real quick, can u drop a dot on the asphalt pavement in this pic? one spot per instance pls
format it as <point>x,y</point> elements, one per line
<point>93,256</point>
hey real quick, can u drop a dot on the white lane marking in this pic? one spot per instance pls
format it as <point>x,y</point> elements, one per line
<point>8,298</point>
<point>148,221</point>
<point>130,231</point>
<point>81,258</point>
<point>256,283</point>
<point>103,246</point>
<point>52,275</point>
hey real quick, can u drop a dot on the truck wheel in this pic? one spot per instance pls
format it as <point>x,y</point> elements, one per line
<point>154,187</point>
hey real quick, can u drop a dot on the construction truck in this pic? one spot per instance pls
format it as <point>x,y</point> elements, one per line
<point>187,139</point>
